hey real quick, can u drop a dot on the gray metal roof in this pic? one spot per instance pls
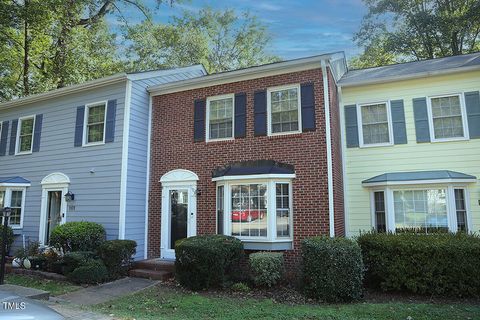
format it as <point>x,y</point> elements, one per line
<point>419,175</point>
<point>13,180</point>
<point>411,70</point>
<point>253,167</point>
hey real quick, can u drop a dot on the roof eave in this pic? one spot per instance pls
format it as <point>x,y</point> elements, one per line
<point>239,75</point>
<point>418,182</point>
<point>408,77</point>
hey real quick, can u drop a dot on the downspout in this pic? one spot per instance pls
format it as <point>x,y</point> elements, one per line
<point>328,138</point>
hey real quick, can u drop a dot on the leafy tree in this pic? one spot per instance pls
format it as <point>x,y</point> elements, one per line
<point>403,30</point>
<point>220,40</point>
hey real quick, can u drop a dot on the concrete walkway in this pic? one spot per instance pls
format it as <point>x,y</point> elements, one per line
<point>105,292</point>
<point>77,313</point>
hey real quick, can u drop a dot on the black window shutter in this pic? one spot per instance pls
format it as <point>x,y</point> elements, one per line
<point>199,121</point>
<point>398,122</point>
<point>79,126</point>
<point>240,115</point>
<point>420,113</point>
<point>472,102</point>
<point>110,123</point>
<point>260,111</point>
<point>13,137</point>
<point>37,133</point>
<point>3,138</point>
<point>351,126</point>
<point>307,99</point>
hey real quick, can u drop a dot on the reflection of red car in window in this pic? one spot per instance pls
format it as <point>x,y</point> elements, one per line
<point>247,215</point>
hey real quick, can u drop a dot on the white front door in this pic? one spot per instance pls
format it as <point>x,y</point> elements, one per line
<point>179,217</point>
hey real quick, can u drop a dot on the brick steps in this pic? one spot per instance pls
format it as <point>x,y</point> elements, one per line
<point>154,269</point>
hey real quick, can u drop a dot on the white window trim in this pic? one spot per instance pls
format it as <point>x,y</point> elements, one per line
<point>17,142</point>
<point>269,109</point>
<point>450,197</point>
<point>8,202</point>
<point>207,117</point>
<point>464,118</point>
<point>271,209</point>
<point>85,123</point>
<point>360,125</point>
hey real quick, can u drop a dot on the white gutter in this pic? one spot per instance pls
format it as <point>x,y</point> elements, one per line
<point>360,82</point>
<point>239,75</point>
<point>331,207</point>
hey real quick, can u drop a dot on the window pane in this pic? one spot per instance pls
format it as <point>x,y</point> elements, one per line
<point>461,209</point>
<point>25,143</point>
<point>96,123</point>
<point>380,220</point>
<point>375,124</point>
<point>96,114</point>
<point>249,210</point>
<point>421,210</point>
<point>283,209</point>
<point>95,133</point>
<point>16,205</point>
<point>284,110</point>
<point>27,127</point>
<point>447,117</point>
<point>26,135</point>
<point>220,209</point>
<point>220,118</point>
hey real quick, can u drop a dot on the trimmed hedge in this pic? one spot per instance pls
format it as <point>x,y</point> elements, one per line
<point>78,236</point>
<point>267,267</point>
<point>117,255</point>
<point>10,237</point>
<point>206,261</point>
<point>439,264</point>
<point>73,260</point>
<point>91,272</point>
<point>332,269</point>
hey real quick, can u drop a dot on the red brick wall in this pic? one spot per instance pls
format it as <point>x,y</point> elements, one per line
<point>172,147</point>
<point>337,167</point>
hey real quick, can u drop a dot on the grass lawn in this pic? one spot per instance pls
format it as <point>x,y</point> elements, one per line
<point>53,286</point>
<point>163,303</point>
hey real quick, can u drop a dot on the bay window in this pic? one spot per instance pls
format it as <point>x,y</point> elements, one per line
<point>15,199</point>
<point>259,212</point>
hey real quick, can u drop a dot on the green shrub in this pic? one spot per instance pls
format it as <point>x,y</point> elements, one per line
<point>73,260</point>
<point>92,272</point>
<point>78,236</point>
<point>267,268</point>
<point>439,264</point>
<point>206,261</point>
<point>332,269</point>
<point>10,237</point>
<point>38,262</point>
<point>240,287</point>
<point>117,255</point>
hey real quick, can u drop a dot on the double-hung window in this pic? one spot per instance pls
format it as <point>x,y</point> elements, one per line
<point>284,114</point>
<point>220,112</point>
<point>15,199</point>
<point>256,211</point>
<point>25,135</point>
<point>375,128</point>
<point>95,123</point>
<point>447,117</point>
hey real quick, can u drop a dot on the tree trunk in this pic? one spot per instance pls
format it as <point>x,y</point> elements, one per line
<point>26,53</point>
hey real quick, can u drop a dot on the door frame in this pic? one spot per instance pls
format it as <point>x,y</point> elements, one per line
<point>175,180</point>
<point>53,182</point>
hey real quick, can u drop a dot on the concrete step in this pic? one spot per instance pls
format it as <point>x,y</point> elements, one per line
<point>151,274</point>
<point>155,264</point>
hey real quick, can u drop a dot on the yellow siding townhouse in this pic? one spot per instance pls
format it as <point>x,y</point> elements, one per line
<point>411,145</point>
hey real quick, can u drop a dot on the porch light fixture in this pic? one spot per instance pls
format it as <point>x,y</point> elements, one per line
<point>6,214</point>
<point>69,196</point>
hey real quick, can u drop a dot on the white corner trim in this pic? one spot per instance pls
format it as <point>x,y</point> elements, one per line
<point>255,177</point>
<point>124,170</point>
<point>344,168</point>
<point>145,243</point>
<point>328,138</point>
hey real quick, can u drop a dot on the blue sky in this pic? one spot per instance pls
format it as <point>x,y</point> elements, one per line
<point>298,28</point>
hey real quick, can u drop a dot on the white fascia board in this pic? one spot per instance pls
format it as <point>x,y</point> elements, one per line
<point>255,177</point>
<point>416,182</point>
<point>240,75</point>
<point>15,185</point>
<point>116,78</point>
<point>409,76</point>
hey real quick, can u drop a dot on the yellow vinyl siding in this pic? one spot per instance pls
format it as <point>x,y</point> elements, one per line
<point>364,163</point>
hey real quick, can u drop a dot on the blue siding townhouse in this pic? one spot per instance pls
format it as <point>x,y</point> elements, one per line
<point>81,153</point>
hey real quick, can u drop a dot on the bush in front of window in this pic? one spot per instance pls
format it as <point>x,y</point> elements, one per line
<point>117,255</point>
<point>206,261</point>
<point>267,268</point>
<point>434,264</point>
<point>10,237</point>
<point>78,236</point>
<point>332,269</point>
